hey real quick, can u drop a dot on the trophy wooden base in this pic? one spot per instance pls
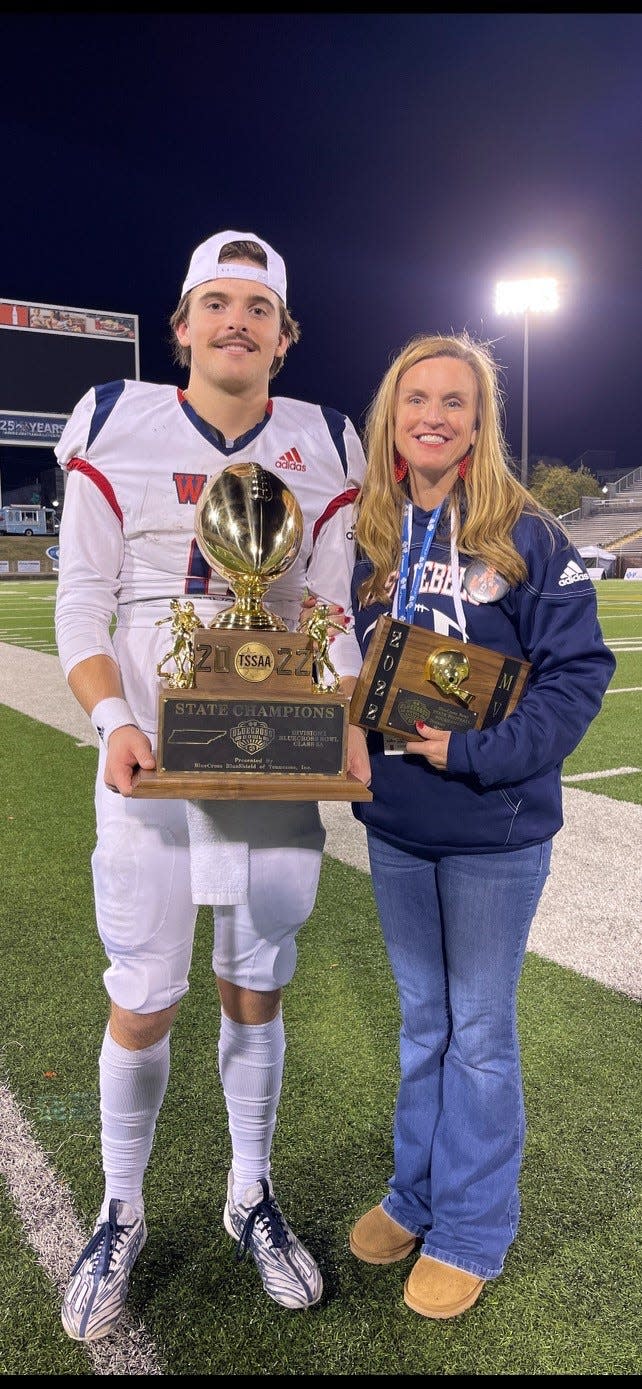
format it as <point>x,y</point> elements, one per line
<point>401,682</point>
<point>241,786</point>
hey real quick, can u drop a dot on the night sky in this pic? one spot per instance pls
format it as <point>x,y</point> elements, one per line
<point>401,165</point>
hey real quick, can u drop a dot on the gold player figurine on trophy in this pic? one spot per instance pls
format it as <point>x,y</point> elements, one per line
<point>317,628</point>
<point>184,622</point>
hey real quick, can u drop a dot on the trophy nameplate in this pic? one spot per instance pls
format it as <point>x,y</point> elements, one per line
<point>245,715</point>
<point>411,674</point>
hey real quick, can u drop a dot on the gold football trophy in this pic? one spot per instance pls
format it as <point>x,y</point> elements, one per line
<point>249,526</point>
<point>249,713</point>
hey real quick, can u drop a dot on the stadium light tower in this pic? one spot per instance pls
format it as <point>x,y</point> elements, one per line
<point>539,295</point>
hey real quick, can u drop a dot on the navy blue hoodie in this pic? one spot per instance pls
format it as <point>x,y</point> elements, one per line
<point>502,788</point>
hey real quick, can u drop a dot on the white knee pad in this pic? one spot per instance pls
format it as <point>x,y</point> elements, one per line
<point>255,944</point>
<point>143,899</point>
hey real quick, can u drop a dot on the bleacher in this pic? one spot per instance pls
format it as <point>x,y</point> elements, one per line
<point>613,522</point>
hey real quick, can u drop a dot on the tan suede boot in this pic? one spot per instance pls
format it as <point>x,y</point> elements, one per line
<point>440,1290</point>
<point>378,1239</point>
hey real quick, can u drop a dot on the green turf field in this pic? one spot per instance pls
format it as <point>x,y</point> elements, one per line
<point>569,1300</point>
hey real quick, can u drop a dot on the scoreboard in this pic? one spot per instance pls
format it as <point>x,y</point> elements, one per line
<point>50,355</point>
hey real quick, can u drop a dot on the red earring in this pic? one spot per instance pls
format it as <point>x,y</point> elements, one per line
<point>400,467</point>
<point>465,464</point>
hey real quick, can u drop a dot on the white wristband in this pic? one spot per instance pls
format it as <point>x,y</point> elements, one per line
<point>109,714</point>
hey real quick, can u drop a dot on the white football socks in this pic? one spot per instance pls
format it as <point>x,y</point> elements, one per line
<point>132,1089</point>
<point>251,1059</point>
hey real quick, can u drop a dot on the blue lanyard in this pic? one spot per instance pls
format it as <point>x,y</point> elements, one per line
<point>406,607</point>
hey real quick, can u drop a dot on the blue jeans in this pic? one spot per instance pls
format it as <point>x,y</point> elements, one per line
<point>456,932</point>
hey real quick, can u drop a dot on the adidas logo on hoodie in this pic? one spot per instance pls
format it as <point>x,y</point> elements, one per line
<point>572,574</point>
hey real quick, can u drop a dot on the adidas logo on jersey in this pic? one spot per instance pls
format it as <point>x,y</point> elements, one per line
<point>572,574</point>
<point>291,460</point>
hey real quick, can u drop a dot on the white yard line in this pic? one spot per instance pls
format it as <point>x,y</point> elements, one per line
<point>599,776</point>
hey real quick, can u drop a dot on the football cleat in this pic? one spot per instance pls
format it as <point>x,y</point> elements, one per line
<point>98,1284</point>
<point>288,1272</point>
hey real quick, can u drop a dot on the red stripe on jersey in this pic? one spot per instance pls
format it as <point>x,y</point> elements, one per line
<point>344,499</point>
<point>80,465</point>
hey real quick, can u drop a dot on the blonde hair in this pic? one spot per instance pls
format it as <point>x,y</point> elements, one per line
<point>234,251</point>
<point>486,503</point>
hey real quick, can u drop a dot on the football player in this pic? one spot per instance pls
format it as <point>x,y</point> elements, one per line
<point>137,457</point>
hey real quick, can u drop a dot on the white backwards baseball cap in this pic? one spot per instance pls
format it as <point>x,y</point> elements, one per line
<point>205,264</point>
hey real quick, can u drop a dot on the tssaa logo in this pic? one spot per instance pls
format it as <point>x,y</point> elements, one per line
<point>254,661</point>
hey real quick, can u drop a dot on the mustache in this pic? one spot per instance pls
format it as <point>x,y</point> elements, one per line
<point>233,342</point>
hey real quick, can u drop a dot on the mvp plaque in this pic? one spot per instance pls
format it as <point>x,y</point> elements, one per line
<point>411,674</point>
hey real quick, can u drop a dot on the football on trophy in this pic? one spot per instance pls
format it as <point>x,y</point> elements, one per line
<point>249,527</point>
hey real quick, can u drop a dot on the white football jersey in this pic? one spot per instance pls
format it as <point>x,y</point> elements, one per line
<point>138,458</point>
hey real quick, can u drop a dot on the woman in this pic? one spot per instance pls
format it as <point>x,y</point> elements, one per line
<point>460,826</point>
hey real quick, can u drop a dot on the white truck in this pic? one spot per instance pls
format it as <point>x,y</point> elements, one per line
<point>24,520</point>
